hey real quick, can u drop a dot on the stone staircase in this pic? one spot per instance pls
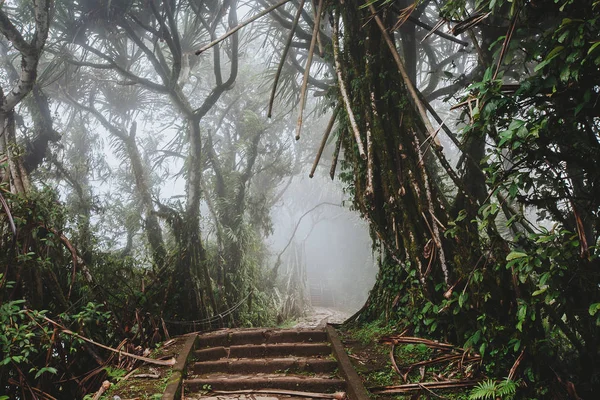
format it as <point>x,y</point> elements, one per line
<point>262,359</point>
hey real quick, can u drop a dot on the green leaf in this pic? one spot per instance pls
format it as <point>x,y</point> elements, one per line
<point>45,369</point>
<point>555,52</point>
<point>513,255</point>
<point>593,47</point>
<point>540,291</point>
<point>462,298</point>
<point>594,308</point>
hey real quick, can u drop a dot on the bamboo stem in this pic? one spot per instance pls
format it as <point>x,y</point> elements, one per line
<point>309,59</point>
<point>409,84</point>
<point>343,91</point>
<point>324,141</point>
<point>286,49</point>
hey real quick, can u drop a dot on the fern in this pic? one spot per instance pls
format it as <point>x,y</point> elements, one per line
<point>491,389</point>
<point>484,390</point>
<point>507,388</point>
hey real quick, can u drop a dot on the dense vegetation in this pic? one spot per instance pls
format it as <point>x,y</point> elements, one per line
<point>493,249</point>
<point>500,253</point>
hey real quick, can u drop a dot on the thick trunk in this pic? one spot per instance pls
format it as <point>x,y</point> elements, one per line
<point>15,173</point>
<point>195,254</point>
<point>153,229</point>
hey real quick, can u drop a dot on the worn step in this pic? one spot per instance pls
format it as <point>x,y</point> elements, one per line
<point>263,351</point>
<point>266,365</point>
<point>211,353</point>
<point>237,382</point>
<point>229,337</point>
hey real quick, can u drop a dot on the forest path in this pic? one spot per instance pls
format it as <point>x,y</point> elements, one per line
<point>318,317</point>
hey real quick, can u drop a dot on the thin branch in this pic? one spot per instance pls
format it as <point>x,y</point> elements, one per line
<point>240,26</point>
<point>144,359</point>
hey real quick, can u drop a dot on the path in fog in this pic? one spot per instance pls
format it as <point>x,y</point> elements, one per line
<point>319,316</point>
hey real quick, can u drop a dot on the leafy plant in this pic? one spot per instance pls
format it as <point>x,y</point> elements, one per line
<point>491,389</point>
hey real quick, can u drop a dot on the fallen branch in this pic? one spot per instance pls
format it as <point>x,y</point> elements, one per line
<point>450,357</point>
<point>393,360</point>
<point>447,358</point>
<point>169,362</point>
<point>411,387</point>
<point>105,386</point>
<point>149,376</point>
<point>337,395</point>
<point>39,392</point>
<point>416,340</point>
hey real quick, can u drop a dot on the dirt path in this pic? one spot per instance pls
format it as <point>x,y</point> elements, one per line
<point>320,316</point>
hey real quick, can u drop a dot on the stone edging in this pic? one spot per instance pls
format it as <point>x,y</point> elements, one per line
<point>178,369</point>
<point>355,388</point>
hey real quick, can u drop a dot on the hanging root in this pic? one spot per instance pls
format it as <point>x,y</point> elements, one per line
<point>343,91</point>
<point>311,50</point>
<point>286,49</point>
<point>324,141</point>
<point>336,154</point>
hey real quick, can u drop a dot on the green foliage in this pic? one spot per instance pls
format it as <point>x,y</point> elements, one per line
<point>516,285</point>
<point>370,332</point>
<point>492,390</point>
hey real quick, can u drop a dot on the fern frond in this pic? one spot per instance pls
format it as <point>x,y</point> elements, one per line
<point>484,390</point>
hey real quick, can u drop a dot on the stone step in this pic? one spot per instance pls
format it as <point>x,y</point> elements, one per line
<point>240,396</point>
<point>237,382</point>
<point>229,337</point>
<point>263,351</point>
<point>266,365</point>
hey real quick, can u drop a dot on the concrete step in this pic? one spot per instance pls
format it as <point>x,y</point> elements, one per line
<point>228,337</point>
<point>241,382</point>
<point>263,351</point>
<point>266,365</point>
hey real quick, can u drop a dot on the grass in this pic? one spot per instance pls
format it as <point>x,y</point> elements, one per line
<point>287,324</point>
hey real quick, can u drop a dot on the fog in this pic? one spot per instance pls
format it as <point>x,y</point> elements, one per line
<point>334,240</point>
<point>167,152</point>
